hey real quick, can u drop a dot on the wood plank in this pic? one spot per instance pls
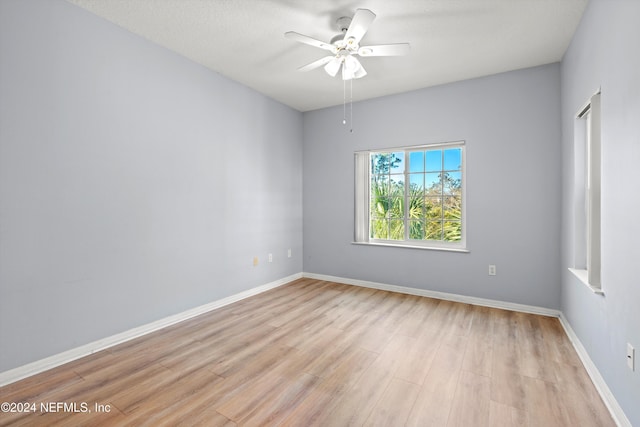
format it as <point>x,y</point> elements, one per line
<point>259,393</point>
<point>260,365</point>
<point>471,401</point>
<point>507,385</point>
<point>275,405</point>
<point>39,387</point>
<point>534,361</point>
<point>418,356</point>
<point>544,404</point>
<point>357,404</point>
<point>556,341</point>
<point>394,405</point>
<point>580,397</point>
<point>413,324</point>
<point>434,401</point>
<point>320,403</point>
<point>167,407</point>
<point>478,356</point>
<point>501,415</point>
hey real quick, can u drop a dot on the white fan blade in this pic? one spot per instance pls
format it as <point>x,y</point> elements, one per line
<point>359,25</point>
<point>352,69</point>
<point>315,64</point>
<point>292,35</point>
<point>333,66</point>
<point>397,49</point>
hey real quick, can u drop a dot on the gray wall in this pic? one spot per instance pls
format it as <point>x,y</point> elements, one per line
<point>134,184</point>
<point>511,124</point>
<point>605,52</point>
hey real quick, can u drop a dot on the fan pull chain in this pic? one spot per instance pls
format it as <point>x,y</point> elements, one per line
<point>344,102</point>
<point>351,105</point>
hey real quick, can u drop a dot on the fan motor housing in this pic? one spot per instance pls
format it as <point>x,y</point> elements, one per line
<point>343,23</point>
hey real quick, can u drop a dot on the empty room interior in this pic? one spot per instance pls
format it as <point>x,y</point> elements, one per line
<point>327,213</point>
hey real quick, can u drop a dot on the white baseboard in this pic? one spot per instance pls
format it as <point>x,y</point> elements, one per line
<point>607,396</point>
<point>42,365</point>
<point>439,295</point>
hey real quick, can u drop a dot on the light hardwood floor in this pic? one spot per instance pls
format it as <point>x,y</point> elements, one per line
<point>320,353</point>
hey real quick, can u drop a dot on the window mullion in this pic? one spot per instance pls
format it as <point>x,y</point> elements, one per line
<point>406,195</point>
<point>442,196</point>
<point>390,205</point>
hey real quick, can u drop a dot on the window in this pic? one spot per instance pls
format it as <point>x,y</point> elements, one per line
<point>587,182</point>
<point>412,196</point>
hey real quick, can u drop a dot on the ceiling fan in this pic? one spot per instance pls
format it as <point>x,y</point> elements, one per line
<point>346,46</point>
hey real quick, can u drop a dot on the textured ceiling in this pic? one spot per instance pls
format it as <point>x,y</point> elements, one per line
<point>450,40</point>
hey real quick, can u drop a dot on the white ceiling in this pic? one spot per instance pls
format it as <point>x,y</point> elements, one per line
<point>451,40</point>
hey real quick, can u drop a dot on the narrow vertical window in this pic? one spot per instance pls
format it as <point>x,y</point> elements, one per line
<point>587,187</point>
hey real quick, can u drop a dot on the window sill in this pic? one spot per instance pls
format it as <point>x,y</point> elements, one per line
<point>583,276</point>
<point>428,248</point>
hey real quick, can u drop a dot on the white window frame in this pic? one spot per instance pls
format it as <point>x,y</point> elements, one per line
<point>587,187</point>
<point>362,199</point>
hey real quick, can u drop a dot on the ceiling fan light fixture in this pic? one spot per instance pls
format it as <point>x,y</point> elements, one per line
<point>346,46</point>
<point>359,72</point>
<point>347,74</point>
<point>352,69</point>
<point>333,66</point>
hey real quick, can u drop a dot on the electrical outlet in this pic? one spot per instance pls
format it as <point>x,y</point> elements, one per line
<point>270,257</point>
<point>255,261</point>
<point>289,253</point>
<point>631,355</point>
<point>492,270</point>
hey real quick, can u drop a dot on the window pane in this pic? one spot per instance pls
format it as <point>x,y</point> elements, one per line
<point>396,186</point>
<point>381,163</point>
<point>432,183</point>
<point>433,208</point>
<point>416,230</point>
<point>396,207</point>
<point>416,183</point>
<point>396,162</point>
<point>379,188</point>
<point>433,230</point>
<point>452,208</point>
<point>380,207</point>
<point>452,231</point>
<point>376,161</point>
<point>379,229</point>
<point>452,183</point>
<point>416,206</point>
<point>416,161</point>
<point>434,160</point>
<point>452,159</point>
<point>380,200</point>
<point>396,231</point>
<point>379,181</point>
